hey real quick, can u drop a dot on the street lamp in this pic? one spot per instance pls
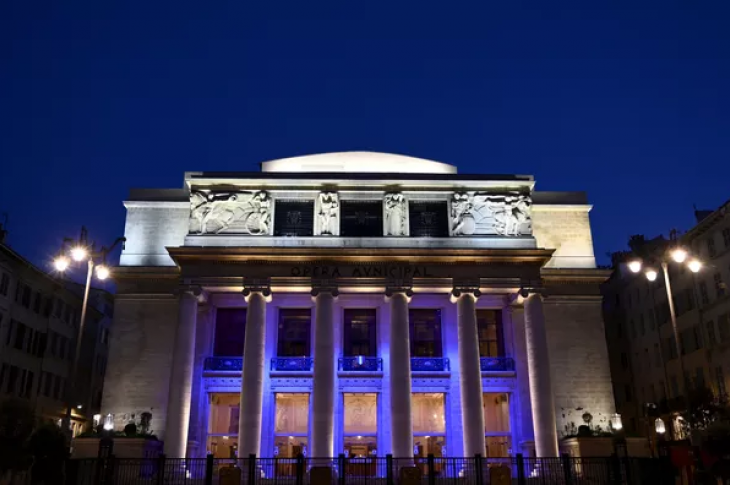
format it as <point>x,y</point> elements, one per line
<point>80,250</point>
<point>678,255</point>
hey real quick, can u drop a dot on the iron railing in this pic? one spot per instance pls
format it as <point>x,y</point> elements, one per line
<point>491,364</point>
<point>430,364</point>
<point>361,363</point>
<point>233,364</point>
<point>296,364</point>
<point>372,470</point>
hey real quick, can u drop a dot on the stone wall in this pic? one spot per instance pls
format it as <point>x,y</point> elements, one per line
<point>150,228</point>
<point>140,359</point>
<point>579,365</point>
<point>567,229</point>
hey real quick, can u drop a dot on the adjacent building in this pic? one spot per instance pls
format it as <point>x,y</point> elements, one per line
<point>644,360</point>
<point>39,321</point>
<point>358,303</point>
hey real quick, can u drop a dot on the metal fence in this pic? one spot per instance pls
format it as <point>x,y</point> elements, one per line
<point>370,471</point>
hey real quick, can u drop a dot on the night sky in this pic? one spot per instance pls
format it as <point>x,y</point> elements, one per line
<point>628,101</point>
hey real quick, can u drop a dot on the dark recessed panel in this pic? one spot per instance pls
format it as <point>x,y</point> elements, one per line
<point>294,218</point>
<point>428,219</point>
<point>361,218</point>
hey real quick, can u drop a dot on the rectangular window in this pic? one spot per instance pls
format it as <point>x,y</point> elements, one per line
<point>723,328</point>
<point>9,335</point>
<point>223,415</point>
<point>58,310</point>
<point>292,424</point>
<point>360,430</point>
<point>699,378</point>
<point>425,333</point>
<point>710,333</point>
<point>295,326</point>
<point>650,318</point>
<point>4,284</point>
<point>360,332</point>
<point>647,358</point>
<point>67,315</point>
<point>19,335</point>
<point>361,218</point>
<point>720,378</point>
<point>48,307</point>
<point>26,296</point>
<point>361,413</point>
<point>726,237</point>
<point>633,328</point>
<point>37,303</point>
<point>28,391</point>
<point>627,392</point>
<point>675,386</point>
<point>711,250</point>
<point>704,296</point>
<point>230,329</point>
<point>428,219</point>
<point>657,355</point>
<point>642,328</point>
<point>491,338</point>
<point>12,379</point>
<point>47,383</point>
<point>624,360</point>
<point>294,218</point>
<point>719,285</point>
<point>3,374</point>
<point>56,387</point>
<point>497,424</point>
<point>429,423</point>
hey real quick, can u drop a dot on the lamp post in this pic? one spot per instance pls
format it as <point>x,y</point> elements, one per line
<point>681,256</point>
<point>80,250</point>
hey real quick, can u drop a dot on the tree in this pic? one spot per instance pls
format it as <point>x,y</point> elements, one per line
<point>16,425</point>
<point>703,409</point>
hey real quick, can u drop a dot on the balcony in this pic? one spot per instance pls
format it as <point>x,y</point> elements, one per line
<point>494,364</point>
<point>292,364</point>
<point>361,363</point>
<point>430,364</point>
<point>231,364</point>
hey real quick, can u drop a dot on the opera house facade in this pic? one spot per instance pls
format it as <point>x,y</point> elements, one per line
<point>357,303</point>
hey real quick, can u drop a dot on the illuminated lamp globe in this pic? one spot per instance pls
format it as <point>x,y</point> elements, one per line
<point>78,253</point>
<point>679,255</point>
<point>635,266</point>
<point>651,275</point>
<point>102,272</point>
<point>61,263</point>
<point>659,426</point>
<point>694,266</point>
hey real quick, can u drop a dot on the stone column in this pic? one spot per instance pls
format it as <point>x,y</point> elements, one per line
<point>541,390</point>
<point>400,377</point>
<point>323,381</point>
<point>470,373</point>
<point>252,375</point>
<point>177,420</point>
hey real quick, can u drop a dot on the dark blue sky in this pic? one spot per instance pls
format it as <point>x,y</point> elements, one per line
<point>625,100</point>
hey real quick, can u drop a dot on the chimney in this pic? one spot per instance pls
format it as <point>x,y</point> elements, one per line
<point>3,233</point>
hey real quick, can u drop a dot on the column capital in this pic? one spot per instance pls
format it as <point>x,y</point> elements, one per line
<point>260,285</point>
<point>190,290</point>
<point>394,286</point>
<point>465,287</point>
<point>324,286</point>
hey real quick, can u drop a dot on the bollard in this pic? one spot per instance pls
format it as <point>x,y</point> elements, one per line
<point>251,469</point>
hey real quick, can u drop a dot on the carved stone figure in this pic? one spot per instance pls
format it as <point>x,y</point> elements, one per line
<point>230,213</point>
<point>462,220</point>
<point>491,214</point>
<point>328,214</point>
<point>396,210</point>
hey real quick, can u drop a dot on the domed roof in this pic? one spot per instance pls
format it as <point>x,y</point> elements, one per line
<point>357,162</point>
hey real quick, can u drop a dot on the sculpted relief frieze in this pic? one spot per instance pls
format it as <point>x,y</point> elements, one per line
<point>242,212</point>
<point>477,213</point>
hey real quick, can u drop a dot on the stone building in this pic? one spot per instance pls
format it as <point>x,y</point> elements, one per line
<point>644,359</point>
<point>358,303</point>
<point>39,321</point>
